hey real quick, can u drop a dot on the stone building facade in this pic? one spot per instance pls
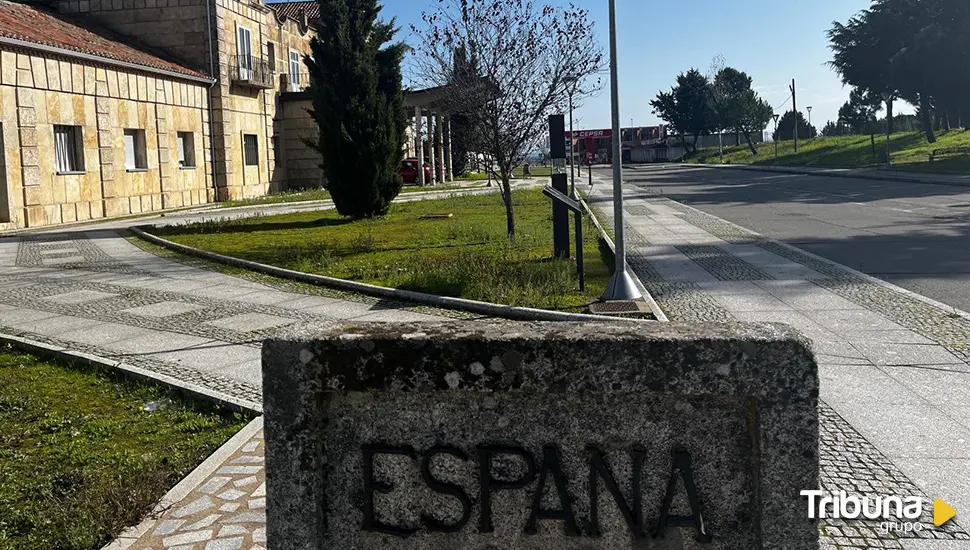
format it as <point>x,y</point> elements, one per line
<point>113,107</point>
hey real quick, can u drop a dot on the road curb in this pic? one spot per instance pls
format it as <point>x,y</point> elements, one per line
<point>896,177</point>
<point>444,302</point>
<point>193,391</point>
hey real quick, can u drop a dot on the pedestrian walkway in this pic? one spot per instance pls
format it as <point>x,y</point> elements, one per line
<point>893,367</point>
<point>93,290</point>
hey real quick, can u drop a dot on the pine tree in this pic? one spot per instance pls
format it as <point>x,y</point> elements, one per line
<point>358,104</point>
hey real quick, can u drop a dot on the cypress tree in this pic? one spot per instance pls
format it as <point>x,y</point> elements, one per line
<point>358,104</point>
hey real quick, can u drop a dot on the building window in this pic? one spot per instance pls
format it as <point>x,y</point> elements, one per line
<point>295,71</point>
<point>244,48</point>
<point>68,151</point>
<point>250,150</point>
<point>271,55</point>
<point>136,157</point>
<point>186,149</point>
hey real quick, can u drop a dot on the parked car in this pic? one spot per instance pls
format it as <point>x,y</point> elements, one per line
<point>409,171</point>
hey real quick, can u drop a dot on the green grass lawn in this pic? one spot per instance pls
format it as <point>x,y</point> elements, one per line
<point>468,255</point>
<point>80,460</point>
<point>910,151</point>
<point>537,171</point>
<point>323,194</point>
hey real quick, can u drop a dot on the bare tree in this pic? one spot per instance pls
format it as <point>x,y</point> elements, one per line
<point>527,58</point>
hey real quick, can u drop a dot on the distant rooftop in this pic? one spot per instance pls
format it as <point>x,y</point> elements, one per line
<point>24,25</point>
<point>293,10</point>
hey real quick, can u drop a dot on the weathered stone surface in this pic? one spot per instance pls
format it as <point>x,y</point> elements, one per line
<point>740,400</point>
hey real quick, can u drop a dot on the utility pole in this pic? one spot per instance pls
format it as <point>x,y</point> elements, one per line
<point>794,108</point>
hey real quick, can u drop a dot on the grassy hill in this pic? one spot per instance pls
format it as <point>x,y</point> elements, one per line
<point>910,151</point>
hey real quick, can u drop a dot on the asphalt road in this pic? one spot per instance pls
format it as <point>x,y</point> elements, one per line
<point>914,235</point>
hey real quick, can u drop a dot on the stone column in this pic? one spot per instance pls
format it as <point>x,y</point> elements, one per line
<point>419,145</point>
<point>439,148</point>
<point>449,175</point>
<point>431,160</point>
<point>34,213</point>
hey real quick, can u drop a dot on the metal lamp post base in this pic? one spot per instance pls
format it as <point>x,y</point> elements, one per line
<point>621,287</point>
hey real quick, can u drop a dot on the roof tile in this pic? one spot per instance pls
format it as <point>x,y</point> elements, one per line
<point>41,27</point>
<point>293,9</point>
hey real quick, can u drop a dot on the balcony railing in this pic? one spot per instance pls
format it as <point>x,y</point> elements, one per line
<point>252,71</point>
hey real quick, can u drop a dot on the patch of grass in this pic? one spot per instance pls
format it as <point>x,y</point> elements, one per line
<point>474,176</point>
<point>910,151</point>
<point>467,255</point>
<point>321,195</point>
<point>277,198</point>
<point>537,171</point>
<point>80,460</point>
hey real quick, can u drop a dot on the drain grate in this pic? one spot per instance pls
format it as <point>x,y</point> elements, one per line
<point>615,306</point>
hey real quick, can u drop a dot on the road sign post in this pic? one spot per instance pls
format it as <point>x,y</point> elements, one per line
<point>560,215</point>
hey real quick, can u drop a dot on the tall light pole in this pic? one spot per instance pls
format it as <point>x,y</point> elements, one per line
<point>775,135</point>
<point>809,108</point>
<point>621,286</point>
<point>571,82</point>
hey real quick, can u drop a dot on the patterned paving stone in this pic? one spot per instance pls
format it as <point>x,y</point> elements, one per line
<point>79,297</point>
<point>232,519</point>
<point>251,322</point>
<point>723,265</point>
<point>162,309</point>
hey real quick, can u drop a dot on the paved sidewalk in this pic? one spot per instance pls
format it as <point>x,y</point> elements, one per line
<point>895,381</point>
<point>90,289</point>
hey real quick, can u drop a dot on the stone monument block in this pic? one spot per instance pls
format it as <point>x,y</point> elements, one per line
<point>508,435</point>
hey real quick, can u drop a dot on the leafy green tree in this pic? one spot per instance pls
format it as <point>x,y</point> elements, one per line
<point>859,112</point>
<point>834,129</point>
<point>786,127</point>
<point>737,107</point>
<point>910,49</point>
<point>688,108</point>
<point>358,105</point>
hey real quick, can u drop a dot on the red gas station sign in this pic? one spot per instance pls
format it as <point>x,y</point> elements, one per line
<point>591,134</point>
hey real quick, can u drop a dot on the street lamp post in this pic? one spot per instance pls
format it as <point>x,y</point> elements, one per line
<point>621,286</point>
<point>809,121</point>
<point>775,135</point>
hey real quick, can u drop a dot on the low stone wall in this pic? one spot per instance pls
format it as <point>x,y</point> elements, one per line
<point>540,435</point>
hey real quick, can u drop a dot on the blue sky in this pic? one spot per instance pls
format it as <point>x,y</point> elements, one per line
<point>773,41</point>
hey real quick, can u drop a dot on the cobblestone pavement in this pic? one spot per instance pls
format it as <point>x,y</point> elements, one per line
<point>891,365</point>
<point>95,291</point>
<point>226,510</point>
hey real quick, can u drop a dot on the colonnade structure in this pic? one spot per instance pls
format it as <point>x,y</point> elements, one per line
<point>431,122</point>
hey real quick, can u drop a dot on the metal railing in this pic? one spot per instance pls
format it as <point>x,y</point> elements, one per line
<point>252,71</point>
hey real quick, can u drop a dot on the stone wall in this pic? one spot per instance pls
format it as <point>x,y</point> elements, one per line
<point>301,162</point>
<point>177,27</point>
<point>506,435</point>
<point>38,91</point>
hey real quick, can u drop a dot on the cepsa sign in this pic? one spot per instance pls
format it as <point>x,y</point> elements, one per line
<point>591,134</point>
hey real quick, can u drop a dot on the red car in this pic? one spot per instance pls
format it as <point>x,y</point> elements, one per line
<point>409,171</point>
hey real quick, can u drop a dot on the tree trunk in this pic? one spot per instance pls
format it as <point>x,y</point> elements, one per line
<point>946,120</point>
<point>507,199</point>
<point>927,116</point>
<point>889,116</point>
<point>747,137</point>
